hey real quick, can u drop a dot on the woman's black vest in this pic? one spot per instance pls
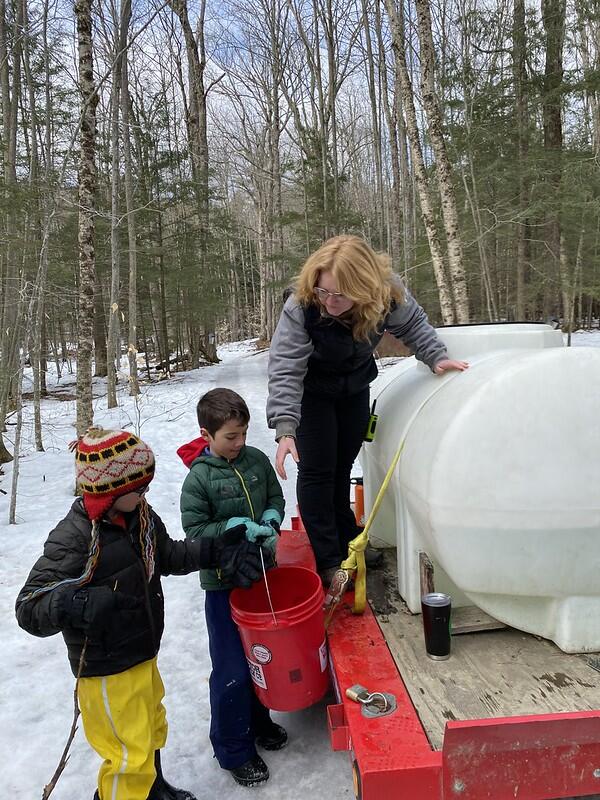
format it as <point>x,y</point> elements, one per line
<point>339,364</point>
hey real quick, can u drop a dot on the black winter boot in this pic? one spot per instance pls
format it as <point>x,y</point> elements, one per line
<point>252,772</point>
<point>273,737</point>
<point>161,790</point>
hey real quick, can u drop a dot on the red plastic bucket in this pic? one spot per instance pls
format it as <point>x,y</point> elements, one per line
<point>286,650</point>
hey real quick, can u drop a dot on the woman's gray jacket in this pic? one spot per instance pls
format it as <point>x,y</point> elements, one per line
<point>315,352</point>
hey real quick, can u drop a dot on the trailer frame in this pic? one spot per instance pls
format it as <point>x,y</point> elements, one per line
<point>532,757</point>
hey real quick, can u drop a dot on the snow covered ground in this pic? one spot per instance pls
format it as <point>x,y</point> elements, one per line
<point>36,685</point>
<point>585,339</point>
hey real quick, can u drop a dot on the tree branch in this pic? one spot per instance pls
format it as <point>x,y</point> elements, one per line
<point>49,787</point>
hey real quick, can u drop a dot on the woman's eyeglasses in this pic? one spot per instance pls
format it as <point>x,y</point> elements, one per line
<point>141,492</point>
<point>323,294</point>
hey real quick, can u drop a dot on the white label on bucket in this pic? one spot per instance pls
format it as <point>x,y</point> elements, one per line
<point>261,653</point>
<point>257,674</point>
<point>323,655</point>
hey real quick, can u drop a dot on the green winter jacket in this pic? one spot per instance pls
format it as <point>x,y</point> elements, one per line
<point>216,490</point>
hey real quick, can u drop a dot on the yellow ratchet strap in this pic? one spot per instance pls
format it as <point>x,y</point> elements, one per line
<point>356,548</point>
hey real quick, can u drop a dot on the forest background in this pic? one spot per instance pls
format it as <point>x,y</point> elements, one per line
<point>167,167</point>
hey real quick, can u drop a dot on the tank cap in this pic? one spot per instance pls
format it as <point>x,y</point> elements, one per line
<point>436,599</point>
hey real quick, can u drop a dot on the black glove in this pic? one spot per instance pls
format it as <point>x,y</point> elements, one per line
<point>238,560</point>
<point>92,609</point>
<point>234,535</point>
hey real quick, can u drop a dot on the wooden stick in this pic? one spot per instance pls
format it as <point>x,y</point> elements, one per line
<point>49,787</point>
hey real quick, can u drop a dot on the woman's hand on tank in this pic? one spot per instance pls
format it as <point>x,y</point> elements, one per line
<point>287,444</point>
<point>447,364</point>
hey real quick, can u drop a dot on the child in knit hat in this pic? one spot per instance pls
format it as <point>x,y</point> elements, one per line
<point>98,583</point>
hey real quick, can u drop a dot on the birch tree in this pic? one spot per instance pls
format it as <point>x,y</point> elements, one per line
<point>86,207</point>
<point>425,198</point>
<point>443,168</point>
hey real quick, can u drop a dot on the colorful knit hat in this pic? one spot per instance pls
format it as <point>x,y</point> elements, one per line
<point>109,464</point>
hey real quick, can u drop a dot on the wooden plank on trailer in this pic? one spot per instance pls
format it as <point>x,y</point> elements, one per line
<point>469,619</point>
<point>497,673</point>
<point>466,619</point>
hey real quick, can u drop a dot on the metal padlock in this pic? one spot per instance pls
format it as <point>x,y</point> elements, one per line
<point>357,693</point>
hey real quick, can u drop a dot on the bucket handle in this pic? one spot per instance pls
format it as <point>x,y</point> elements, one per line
<point>262,561</point>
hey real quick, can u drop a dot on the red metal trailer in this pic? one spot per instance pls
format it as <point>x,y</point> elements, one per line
<point>396,756</point>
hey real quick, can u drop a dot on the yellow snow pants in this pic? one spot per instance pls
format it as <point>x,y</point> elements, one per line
<point>125,722</point>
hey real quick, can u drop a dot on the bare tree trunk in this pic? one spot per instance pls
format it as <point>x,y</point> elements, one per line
<point>588,26</point>
<point>570,299</point>
<point>113,350</point>
<point>427,208</point>
<point>44,346</point>
<point>407,182</point>
<point>324,124</point>
<point>521,126</point>
<point>471,194</point>
<point>163,331</point>
<point>198,143</point>
<point>134,387</point>
<point>442,163</point>
<point>276,19</point>
<point>553,14</point>
<point>370,68</point>
<point>330,29</point>
<point>12,511</point>
<point>11,144</point>
<point>396,215</point>
<point>9,323</point>
<point>318,137</point>
<point>39,233</point>
<point>100,332</point>
<point>5,88</point>
<point>566,288</point>
<point>31,311</point>
<point>87,187</point>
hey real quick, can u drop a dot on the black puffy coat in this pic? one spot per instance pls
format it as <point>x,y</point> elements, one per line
<point>133,635</point>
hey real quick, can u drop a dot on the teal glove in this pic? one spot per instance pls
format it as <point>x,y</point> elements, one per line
<point>254,531</point>
<point>235,521</point>
<point>258,533</point>
<point>273,518</point>
<point>270,543</point>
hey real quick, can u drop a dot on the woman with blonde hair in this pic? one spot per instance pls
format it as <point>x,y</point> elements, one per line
<point>320,367</point>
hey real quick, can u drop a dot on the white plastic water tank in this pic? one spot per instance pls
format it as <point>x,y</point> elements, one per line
<point>499,479</point>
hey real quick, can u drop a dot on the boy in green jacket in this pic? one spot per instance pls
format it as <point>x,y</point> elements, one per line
<point>231,487</point>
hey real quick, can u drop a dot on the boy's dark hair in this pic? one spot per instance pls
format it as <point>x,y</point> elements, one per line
<point>218,406</point>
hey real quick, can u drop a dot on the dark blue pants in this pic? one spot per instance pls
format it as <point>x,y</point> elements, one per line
<point>329,438</point>
<point>237,716</point>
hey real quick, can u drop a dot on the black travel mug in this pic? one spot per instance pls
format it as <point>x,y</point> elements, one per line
<point>436,624</point>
